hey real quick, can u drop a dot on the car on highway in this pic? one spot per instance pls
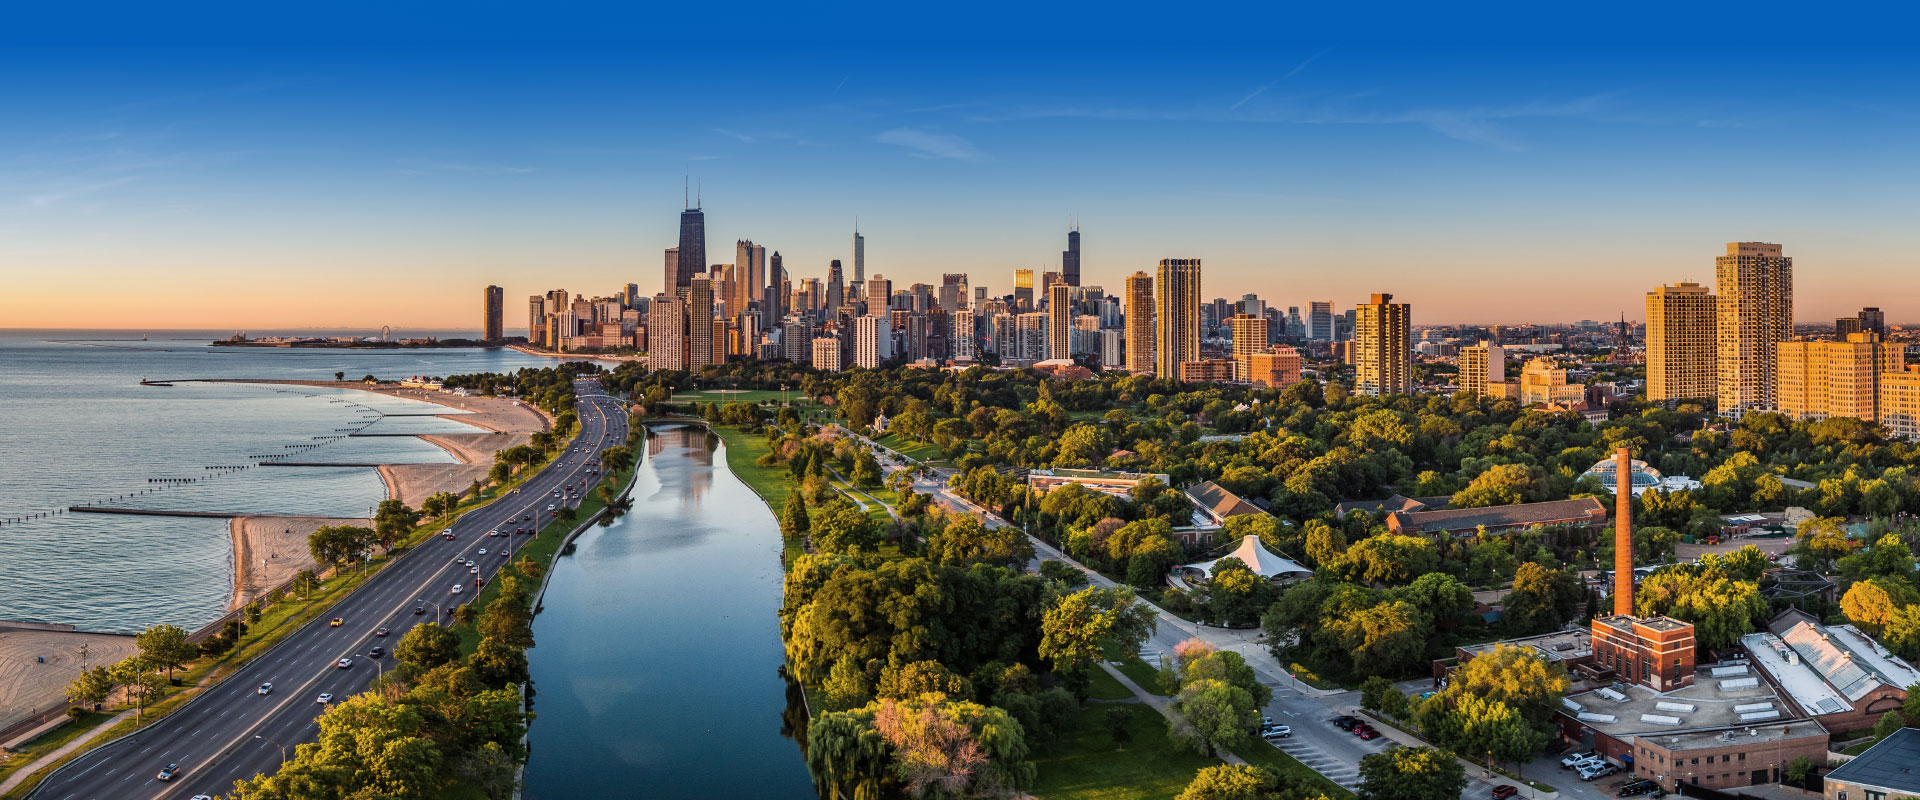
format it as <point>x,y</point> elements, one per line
<point>549,506</point>
<point>265,688</point>
<point>167,772</point>
<point>457,588</point>
<point>381,633</point>
<point>483,551</point>
<point>203,797</point>
<point>418,610</point>
<point>494,532</point>
<point>1504,791</point>
<point>377,652</point>
<point>526,517</point>
<point>337,622</point>
<point>473,570</point>
<point>345,663</point>
<point>1597,770</point>
<point>447,535</point>
<point>325,698</point>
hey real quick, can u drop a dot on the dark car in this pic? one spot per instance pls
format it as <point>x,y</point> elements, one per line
<point>377,652</point>
<point>1343,721</point>
<point>418,610</point>
<point>1636,788</point>
<point>1504,791</point>
<point>167,772</point>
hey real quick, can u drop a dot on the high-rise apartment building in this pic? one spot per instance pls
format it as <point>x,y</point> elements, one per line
<point>1176,314</point>
<point>1070,258</point>
<point>879,291</point>
<point>1680,343</point>
<point>1754,315</point>
<point>749,276</point>
<point>1383,346</point>
<point>961,341</point>
<point>872,341</point>
<point>493,311</point>
<point>1139,319</point>
<point>1059,322</point>
<point>667,333</point>
<point>672,277</point>
<point>691,255</point>
<point>1023,290</point>
<point>796,339</point>
<point>1249,337</point>
<point>826,354</point>
<point>701,349</point>
<point>536,318</point>
<point>1835,379</point>
<point>1482,364</point>
<point>1113,348</point>
<point>1872,320</point>
<point>1320,326</point>
<point>1900,403</point>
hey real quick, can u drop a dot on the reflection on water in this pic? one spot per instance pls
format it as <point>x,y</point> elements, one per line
<point>658,649</point>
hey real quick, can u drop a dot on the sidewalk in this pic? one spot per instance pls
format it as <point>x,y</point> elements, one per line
<point>20,775</point>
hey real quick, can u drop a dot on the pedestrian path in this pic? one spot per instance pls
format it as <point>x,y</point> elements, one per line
<point>21,774</point>
<point>1158,703</point>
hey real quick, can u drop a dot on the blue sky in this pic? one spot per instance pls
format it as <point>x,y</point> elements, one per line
<point>340,167</point>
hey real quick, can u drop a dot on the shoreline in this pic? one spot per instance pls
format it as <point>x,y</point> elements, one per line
<point>282,538</point>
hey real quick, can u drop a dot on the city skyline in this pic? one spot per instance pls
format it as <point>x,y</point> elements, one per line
<point>197,193</point>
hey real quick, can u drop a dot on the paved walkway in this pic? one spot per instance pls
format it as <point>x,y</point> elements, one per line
<point>1158,703</point>
<point>21,774</point>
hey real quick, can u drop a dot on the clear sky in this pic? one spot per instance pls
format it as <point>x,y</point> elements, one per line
<point>360,166</point>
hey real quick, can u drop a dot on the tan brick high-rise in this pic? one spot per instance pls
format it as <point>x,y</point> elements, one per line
<point>1176,323</point>
<point>1139,310</point>
<point>1383,346</point>
<point>1835,379</point>
<point>1680,343</point>
<point>1249,337</point>
<point>1480,365</point>
<point>1755,314</point>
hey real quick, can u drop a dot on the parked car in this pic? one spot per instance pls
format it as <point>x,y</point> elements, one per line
<point>1635,788</point>
<point>1369,735</point>
<point>1276,732</point>
<point>1598,770</point>
<point>265,688</point>
<point>167,772</point>
<point>1574,760</point>
<point>1504,791</point>
<point>1343,721</point>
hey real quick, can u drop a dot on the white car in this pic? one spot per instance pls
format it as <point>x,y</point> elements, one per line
<point>549,506</point>
<point>483,551</point>
<point>456,588</point>
<point>265,688</point>
<point>345,663</point>
<point>1597,770</point>
<point>473,570</point>
<point>325,698</point>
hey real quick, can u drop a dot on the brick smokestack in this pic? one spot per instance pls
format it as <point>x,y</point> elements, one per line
<point>1623,532</point>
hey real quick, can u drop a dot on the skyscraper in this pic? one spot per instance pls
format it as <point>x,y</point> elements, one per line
<point>667,333</point>
<point>1176,323</point>
<point>1060,322</point>
<point>1249,337</point>
<point>1872,320</point>
<point>961,341</point>
<point>1023,290</point>
<point>1320,327</point>
<point>693,246</point>
<point>879,293</point>
<point>1482,364</point>
<point>672,279</point>
<point>1680,343</point>
<point>1754,314</point>
<point>749,275</point>
<point>1070,258</point>
<point>700,344</point>
<point>836,286</point>
<point>536,318</point>
<point>493,309</point>
<point>859,257</point>
<point>1139,319</point>
<point>1383,342</point>
<point>872,341</point>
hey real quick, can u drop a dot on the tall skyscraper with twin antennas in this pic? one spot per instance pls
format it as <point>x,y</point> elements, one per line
<point>692,256</point>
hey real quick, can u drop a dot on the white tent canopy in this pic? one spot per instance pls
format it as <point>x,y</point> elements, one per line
<point>1260,561</point>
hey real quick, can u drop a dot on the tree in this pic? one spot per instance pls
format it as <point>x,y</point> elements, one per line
<point>1484,726</point>
<point>1119,721</point>
<point>1542,599</point>
<point>1889,723</point>
<point>339,376</point>
<point>794,521</point>
<point>1214,716</point>
<point>965,541</point>
<point>1235,596</point>
<point>1437,594</point>
<point>1072,629</point>
<point>1389,558</point>
<point>1502,485</point>
<point>866,470</point>
<point>954,749</point>
<point>847,757</point>
<point>1411,773</point>
<point>166,647</point>
<point>1514,676</point>
<point>1798,770</point>
<point>91,687</point>
<point>142,682</point>
<point>1227,667</point>
<point>1871,604</point>
<point>921,677</point>
<point>427,646</point>
<point>617,458</point>
<point>1233,782</point>
<point>392,521</point>
<point>843,528</point>
<point>497,664</point>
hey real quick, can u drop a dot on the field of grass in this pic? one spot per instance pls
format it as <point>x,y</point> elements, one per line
<point>918,451</point>
<point>1134,667</point>
<point>1261,754</point>
<point>1087,764</point>
<point>1106,687</point>
<point>744,396</point>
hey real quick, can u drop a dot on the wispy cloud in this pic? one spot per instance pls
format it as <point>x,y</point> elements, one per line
<point>1270,84</point>
<point>927,144</point>
<point>76,190</point>
<point>735,135</point>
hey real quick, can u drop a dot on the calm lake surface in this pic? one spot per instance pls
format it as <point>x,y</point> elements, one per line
<point>77,428</point>
<point>657,652</point>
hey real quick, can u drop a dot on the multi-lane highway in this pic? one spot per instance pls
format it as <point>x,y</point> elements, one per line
<point>232,731</point>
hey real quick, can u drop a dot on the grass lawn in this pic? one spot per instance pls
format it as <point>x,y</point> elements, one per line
<point>1135,668</point>
<point>724,396</point>
<point>1105,687</point>
<point>53,740</point>
<point>1259,753</point>
<point>1087,765</point>
<point>918,451</point>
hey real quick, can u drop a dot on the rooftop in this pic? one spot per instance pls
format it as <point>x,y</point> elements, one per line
<point>1889,765</point>
<point>1394,503</point>
<point>1556,646</point>
<point>1585,509</point>
<point>1219,501</point>
<point>1710,704</point>
<point>1826,667</point>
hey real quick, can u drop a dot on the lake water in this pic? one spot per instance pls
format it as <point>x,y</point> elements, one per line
<point>77,428</point>
<point>657,650</point>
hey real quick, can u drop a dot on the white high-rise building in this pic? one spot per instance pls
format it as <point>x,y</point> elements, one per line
<point>960,341</point>
<point>872,341</point>
<point>667,333</point>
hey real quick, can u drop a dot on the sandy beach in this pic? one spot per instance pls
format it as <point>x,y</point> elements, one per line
<point>269,550</point>
<point>27,685</point>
